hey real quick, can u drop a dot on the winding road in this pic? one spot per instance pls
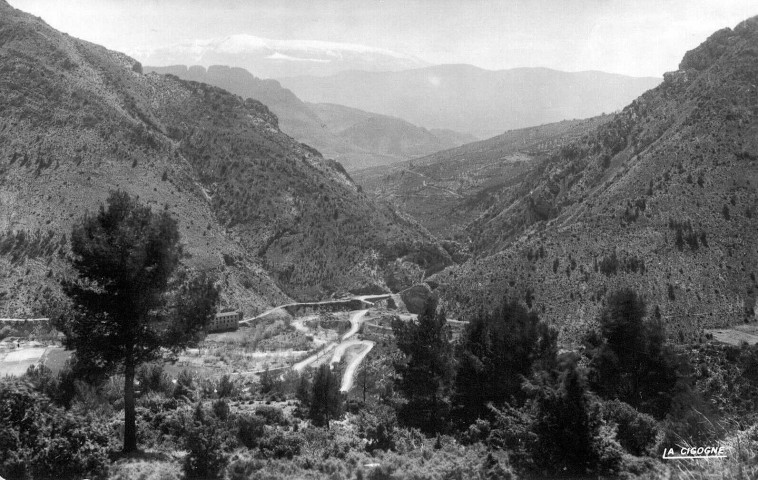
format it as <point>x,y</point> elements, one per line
<point>338,349</point>
<point>349,376</point>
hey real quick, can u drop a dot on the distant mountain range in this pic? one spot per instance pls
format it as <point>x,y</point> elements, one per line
<point>268,215</point>
<point>469,99</point>
<point>269,58</point>
<point>355,138</point>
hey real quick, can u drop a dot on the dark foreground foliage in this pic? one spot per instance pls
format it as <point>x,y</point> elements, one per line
<point>39,440</point>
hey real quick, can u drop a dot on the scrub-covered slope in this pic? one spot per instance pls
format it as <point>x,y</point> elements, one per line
<point>661,198</point>
<point>268,214</point>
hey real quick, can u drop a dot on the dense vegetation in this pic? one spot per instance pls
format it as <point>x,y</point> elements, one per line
<point>479,405</point>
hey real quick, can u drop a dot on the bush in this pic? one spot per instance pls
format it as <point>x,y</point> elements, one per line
<point>226,387</point>
<point>185,386</point>
<point>281,445</point>
<point>636,432</point>
<point>221,409</point>
<point>378,428</point>
<point>75,447</point>
<point>250,429</point>
<point>205,458</point>
<point>152,378</point>
<point>271,415</point>
<point>38,440</point>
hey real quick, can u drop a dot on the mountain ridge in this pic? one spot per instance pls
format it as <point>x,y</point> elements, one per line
<point>78,121</point>
<point>470,99</point>
<point>322,125</point>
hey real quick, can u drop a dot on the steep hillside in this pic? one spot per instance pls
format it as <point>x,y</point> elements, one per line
<point>468,99</point>
<point>355,138</point>
<point>448,190</point>
<point>268,214</point>
<point>663,198</point>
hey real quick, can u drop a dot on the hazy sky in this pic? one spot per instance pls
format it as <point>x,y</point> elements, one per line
<point>640,37</point>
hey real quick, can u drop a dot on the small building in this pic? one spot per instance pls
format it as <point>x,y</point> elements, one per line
<point>225,321</point>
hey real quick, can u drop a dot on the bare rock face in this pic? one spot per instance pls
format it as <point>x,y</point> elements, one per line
<point>416,296</point>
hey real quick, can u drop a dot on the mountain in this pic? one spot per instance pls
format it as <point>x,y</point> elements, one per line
<point>468,99</point>
<point>355,138</point>
<point>270,58</point>
<point>270,216</point>
<point>449,189</point>
<point>661,198</point>
<point>383,134</point>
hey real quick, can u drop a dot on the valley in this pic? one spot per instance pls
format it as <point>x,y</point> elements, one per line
<point>258,258</point>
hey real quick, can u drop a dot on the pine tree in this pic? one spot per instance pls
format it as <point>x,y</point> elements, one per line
<point>131,302</point>
<point>630,360</point>
<point>326,399</point>
<point>426,377</point>
<point>497,352</point>
<point>567,422</point>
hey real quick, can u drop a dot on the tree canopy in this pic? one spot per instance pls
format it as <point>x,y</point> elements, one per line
<point>131,302</point>
<point>426,376</point>
<point>497,352</point>
<point>630,359</point>
<point>325,398</point>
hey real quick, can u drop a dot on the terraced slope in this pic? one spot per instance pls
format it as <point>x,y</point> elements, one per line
<point>663,198</point>
<point>268,214</point>
<point>447,190</point>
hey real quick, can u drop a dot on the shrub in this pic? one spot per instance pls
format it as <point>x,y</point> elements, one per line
<point>185,386</point>
<point>280,445</point>
<point>250,429</point>
<point>205,458</point>
<point>39,440</point>
<point>221,409</point>
<point>152,378</point>
<point>271,415</point>
<point>636,432</point>
<point>73,447</point>
<point>378,428</point>
<point>226,387</point>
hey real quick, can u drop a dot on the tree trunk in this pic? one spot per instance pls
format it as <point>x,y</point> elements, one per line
<point>130,418</point>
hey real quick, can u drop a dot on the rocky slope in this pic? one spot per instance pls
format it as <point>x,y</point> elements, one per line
<point>355,138</point>
<point>468,99</point>
<point>662,198</point>
<point>268,214</point>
